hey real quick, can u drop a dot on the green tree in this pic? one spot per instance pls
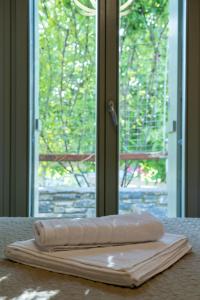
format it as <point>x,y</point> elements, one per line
<point>67,85</point>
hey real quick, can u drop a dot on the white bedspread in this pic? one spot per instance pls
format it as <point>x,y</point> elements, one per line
<point>127,265</point>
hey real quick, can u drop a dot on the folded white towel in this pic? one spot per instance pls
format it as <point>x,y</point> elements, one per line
<point>63,234</point>
<point>127,265</point>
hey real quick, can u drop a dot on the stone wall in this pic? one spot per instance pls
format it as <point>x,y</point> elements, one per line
<point>80,202</point>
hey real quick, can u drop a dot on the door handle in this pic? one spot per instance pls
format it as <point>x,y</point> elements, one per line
<point>113,114</point>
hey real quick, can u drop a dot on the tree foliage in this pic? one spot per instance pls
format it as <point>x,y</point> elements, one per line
<point>67,85</point>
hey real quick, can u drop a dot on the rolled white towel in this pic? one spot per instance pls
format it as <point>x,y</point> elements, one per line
<point>63,234</point>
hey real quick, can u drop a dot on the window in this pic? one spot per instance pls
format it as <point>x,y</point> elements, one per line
<point>18,100</point>
<point>107,107</point>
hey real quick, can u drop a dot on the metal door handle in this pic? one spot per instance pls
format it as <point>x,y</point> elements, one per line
<point>111,110</point>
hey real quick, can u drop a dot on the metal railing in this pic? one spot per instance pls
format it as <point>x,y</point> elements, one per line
<point>91,156</point>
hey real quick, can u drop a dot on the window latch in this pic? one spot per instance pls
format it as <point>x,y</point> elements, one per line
<point>172,126</point>
<point>37,125</point>
<point>113,114</point>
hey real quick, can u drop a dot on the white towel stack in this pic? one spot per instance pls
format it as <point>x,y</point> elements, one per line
<point>124,250</point>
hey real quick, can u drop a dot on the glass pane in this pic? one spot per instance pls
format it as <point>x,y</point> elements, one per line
<point>67,110</point>
<point>144,112</point>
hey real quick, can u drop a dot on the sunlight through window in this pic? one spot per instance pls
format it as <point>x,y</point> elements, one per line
<point>3,278</point>
<point>31,295</point>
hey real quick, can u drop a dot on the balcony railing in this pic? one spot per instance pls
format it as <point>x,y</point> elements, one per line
<point>91,156</point>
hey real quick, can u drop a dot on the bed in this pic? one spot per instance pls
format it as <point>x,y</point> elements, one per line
<point>181,281</point>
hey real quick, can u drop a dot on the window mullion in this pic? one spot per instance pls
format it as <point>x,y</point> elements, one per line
<point>111,138</point>
<point>101,85</point>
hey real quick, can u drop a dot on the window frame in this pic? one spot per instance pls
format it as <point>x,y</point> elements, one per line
<point>15,106</point>
<point>192,134</point>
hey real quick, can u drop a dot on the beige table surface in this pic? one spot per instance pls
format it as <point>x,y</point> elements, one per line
<point>20,282</point>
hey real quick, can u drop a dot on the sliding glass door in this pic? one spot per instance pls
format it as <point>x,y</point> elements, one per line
<point>66,144</point>
<point>150,107</point>
<point>143,102</point>
<point>107,114</point>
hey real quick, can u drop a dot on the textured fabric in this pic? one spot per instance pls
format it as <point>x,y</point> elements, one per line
<point>126,265</point>
<point>180,282</point>
<point>62,234</point>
